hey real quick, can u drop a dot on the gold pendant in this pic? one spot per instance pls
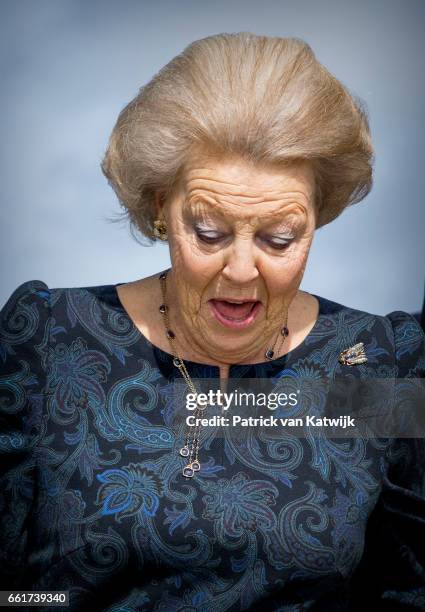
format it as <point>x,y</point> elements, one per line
<point>354,355</point>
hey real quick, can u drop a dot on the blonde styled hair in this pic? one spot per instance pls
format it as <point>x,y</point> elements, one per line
<point>266,99</point>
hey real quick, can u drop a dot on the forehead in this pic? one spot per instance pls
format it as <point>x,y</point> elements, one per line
<point>232,182</point>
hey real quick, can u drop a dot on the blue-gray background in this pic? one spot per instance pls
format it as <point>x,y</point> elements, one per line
<point>69,66</point>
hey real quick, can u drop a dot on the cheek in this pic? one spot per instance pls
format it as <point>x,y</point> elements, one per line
<point>284,274</point>
<point>193,264</point>
<point>195,271</point>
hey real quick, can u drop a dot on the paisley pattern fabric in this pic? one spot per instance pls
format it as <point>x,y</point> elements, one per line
<point>92,500</point>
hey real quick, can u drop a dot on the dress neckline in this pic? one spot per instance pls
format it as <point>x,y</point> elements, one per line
<point>168,357</point>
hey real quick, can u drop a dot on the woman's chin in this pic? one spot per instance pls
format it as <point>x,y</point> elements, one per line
<point>227,342</point>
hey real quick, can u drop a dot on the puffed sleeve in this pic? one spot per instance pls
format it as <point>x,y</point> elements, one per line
<point>392,570</point>
<point>24,322</point>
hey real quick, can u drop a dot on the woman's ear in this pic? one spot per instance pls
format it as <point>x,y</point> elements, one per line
<point>159,204</point>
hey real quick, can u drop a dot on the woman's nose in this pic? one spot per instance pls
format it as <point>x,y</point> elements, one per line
<point>240,263</point>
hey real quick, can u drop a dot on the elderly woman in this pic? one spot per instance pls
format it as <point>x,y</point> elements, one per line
<point>234,153</point>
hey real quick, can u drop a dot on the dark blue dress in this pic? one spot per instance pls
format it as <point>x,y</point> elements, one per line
<point>92,500</point>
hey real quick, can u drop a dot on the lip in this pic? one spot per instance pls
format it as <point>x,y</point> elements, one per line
<point>244,301</point>
<point>234,324</point>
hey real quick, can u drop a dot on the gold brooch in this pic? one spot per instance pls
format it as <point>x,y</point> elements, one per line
<point>353,355</point>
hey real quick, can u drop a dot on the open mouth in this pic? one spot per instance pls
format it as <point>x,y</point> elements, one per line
<point>234,311</point>
<point>233,314</point>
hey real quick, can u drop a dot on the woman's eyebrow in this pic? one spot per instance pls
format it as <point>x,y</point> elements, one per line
<point>213,210</point>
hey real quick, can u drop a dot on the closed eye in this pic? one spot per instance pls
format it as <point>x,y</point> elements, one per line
<point>279,245</point>
<point>209,237</point>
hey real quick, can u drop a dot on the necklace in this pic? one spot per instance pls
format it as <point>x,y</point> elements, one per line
<point>190,450</point>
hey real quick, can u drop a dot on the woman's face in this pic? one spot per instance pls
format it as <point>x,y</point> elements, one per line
<point>242,232</point>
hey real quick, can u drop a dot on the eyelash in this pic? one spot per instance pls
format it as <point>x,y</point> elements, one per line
<point>213,240</point>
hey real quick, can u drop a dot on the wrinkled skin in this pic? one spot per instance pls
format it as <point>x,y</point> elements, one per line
<point>245,206</point>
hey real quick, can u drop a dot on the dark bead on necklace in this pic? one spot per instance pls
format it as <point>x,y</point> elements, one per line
<point>162,276</point>
<point>162,308</point>
<point>177,362</point>
<point>269,354</point>
<point>284,331</point>
<point>170,334</point>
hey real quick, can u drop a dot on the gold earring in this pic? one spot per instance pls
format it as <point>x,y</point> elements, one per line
<point>160,229</point>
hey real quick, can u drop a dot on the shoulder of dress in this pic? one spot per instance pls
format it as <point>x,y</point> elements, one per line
<point>409,343</point>
<point>95,291</point>
<point>24,324</point>
<point>26,296</point>
<point>106,294</point>
<point>37,291</point>
<point>330,307</point>
<point>28,288</point>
